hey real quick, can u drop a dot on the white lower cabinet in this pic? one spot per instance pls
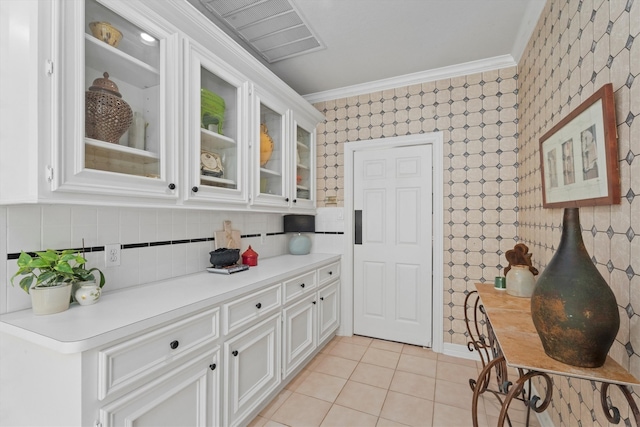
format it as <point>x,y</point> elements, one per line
<point>186,396</point>
<point>252,368</point>
<point>299,336</point>
<point>218,366</point>
<point>328,310</point>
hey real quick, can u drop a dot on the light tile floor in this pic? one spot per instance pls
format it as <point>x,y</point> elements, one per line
<point>358,382</point>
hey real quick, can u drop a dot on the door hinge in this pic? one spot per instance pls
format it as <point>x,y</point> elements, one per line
<point>49,173</point>
<point>49,67</point>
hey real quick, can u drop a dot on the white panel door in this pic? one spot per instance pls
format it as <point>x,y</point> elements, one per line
<point>393,250</point>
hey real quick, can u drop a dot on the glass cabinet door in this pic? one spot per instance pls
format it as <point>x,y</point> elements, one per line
<point>118,100</point>
<point>270,153</point>
<point>217,121</point>
<point>304,177</point>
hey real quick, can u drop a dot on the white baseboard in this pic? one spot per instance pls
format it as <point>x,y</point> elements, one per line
<point>459,350</point>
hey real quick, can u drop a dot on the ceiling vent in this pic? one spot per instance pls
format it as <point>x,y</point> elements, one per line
<point>274,28</point>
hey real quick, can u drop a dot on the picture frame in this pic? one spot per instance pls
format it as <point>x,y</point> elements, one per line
<point>579,156</point>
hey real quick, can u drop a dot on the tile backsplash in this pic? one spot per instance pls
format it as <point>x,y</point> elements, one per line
<point>157,243</point>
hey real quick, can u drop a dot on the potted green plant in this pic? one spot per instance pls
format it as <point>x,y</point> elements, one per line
<point>49,278</point>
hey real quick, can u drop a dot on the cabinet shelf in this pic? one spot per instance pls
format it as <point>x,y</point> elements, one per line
<point>269,172</point>
<point>206,179</point>
<point>301,166</point>
<point>143,156</point>
<point>301,145</point>
<point>120,65</point>
<point>302,187</point>
<point>213,139</point>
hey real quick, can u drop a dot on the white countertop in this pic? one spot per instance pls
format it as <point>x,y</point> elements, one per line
<point>124,312</point>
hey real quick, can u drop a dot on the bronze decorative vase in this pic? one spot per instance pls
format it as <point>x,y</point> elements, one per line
<point>573,309</point>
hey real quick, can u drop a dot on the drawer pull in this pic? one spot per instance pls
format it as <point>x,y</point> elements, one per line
<point>330,273</point>
<point>313,302</point>
<point>302,285</point>
<point>212,366</point>
<point>174,344</point>
<point>321,298</point>
<point>259,306</point>
<point>234,352</point>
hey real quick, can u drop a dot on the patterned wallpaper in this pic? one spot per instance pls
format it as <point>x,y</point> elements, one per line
<point>577,47</point>
<point>477,114</point>
<point>492,122</point>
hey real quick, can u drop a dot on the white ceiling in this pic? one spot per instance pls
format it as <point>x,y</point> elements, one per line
<point>374,40</point>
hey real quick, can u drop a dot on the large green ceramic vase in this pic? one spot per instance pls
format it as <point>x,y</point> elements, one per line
<point>573,309</point>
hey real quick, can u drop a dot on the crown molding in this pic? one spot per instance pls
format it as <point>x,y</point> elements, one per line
<point>466,68</point>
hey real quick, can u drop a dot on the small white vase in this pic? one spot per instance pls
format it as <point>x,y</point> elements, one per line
<point>88,294</point>
<point>50,299</point>
<point>520,281</point>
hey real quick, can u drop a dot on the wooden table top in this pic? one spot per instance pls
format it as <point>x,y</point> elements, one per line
<point>511,320</point>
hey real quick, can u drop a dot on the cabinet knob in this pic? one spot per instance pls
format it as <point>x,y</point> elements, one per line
<point>174,344</point>
<point>234,352</point>
<point>212,366</point>
<point>286,199</point>
<point>321,298</point>
<point>330,273</point>
<point>314,302</point>
<point>259,306</point>
<point>194,189</point>
<point>295,200</point>
<point>172,186</point>
<point>302,285</point>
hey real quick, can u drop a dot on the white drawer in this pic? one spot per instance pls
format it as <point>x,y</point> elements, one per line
<point>299,286</point>
<point>244,310</point>
<point>137,358</point>
<point>328,273</point>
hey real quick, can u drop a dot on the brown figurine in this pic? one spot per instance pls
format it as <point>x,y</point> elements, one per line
<point>519,255</point>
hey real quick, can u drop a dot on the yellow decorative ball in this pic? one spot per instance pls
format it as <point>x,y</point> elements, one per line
<point>266,145</point>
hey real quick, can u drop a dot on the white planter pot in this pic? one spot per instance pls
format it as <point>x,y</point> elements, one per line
<point>50,299</point>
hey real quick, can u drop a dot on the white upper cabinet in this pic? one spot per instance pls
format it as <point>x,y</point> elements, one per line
<point>270,138</point>
<point>303,164</point>
<point>118,105</point>
<point>145,103</point>
<point>283,157</point>
<point>216,118</point>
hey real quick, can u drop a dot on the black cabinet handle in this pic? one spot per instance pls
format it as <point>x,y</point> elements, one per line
<point>321,298</point>
<point>258,306</point>
<point>212,366</point>
<point>295,200</point>
<point>174,344</point>
<point>234,352</point>
<point>302,285</point>
<point>313,302</point>
<point>286,200</point>
<point>330,273</point>
<point>172,186</point>
<point>194,189</point>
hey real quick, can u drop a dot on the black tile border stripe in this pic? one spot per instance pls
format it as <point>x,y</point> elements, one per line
<point>16,255</point>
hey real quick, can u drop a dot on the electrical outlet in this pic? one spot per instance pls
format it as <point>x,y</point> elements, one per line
<point>112,255</point>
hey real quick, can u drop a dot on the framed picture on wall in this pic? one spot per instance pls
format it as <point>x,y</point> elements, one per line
<point>579,156</point>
